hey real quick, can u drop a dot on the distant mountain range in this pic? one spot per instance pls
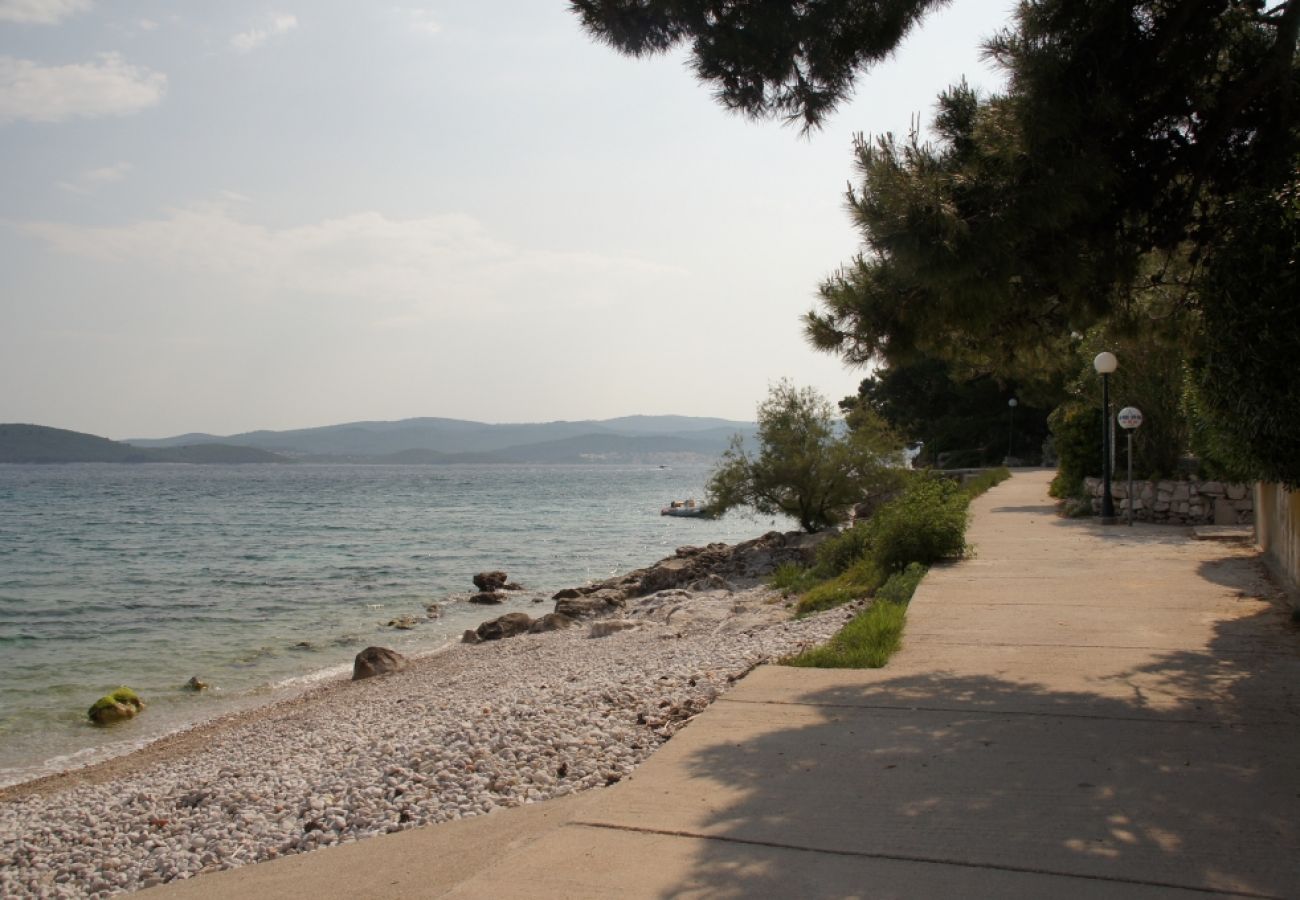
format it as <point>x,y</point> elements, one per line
<point>39,444</point>
<point>425,441</point>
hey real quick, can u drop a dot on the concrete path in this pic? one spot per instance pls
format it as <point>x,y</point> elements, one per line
<point>1078,711</point>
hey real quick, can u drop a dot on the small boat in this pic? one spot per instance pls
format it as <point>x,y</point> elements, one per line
<point>686,508</point>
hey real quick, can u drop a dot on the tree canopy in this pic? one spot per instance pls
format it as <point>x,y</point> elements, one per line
<point>806,467</point>
<point>1102,188</point>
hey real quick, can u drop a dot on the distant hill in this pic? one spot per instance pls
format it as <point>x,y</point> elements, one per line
<point>40,444</point>
<point>435,441</point>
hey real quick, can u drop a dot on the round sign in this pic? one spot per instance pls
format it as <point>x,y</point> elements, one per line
<point>1129,417</point>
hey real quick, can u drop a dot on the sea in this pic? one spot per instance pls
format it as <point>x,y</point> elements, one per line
<point>263,580</point>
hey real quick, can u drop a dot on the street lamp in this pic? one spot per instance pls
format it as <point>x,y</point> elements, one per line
<point>1011,429</point>
<point>1105,363</point>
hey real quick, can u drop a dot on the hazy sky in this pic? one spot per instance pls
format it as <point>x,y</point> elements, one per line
<point>238,215</point>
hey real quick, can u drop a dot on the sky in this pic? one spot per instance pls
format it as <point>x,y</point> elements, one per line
<point>229,216</point>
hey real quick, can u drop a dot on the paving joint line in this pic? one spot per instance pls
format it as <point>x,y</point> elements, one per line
<point>1213,723</point>
<point>932,860</point>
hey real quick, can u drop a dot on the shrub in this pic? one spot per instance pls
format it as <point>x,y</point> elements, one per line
<point>926,524</point>
<point>1076,431</point>
<point>842,551</point>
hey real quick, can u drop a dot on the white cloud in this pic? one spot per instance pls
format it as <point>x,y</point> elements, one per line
<point>421,20</point>
<point>248,41</point>
<point>398,270</point>
<point>147,25</point>
<point>91,179</point>
<point>108,86</point>
<point>41,12</point>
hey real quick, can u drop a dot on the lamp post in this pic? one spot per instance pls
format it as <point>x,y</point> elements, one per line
<point>1011,429</point>
<point>1105,364</point>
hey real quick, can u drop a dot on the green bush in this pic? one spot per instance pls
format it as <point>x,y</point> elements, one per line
<point>926,524</point>
<point>901,585</point>
<point>838,553</point>
<point>1076,432</point>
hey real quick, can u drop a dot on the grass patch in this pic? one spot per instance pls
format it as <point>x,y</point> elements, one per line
<point>866,642</point>
<point>885,558</point>
<point>859,581</point>
<point>985,480</point>
<point>792,578</point>
<point>902,585</point>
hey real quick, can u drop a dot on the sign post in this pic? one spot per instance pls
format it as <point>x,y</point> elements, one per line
<point>1129,418</point>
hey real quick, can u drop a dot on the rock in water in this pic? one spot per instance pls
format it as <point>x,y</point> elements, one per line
<point>508,625</point>
<point>402,623</point>
<point>377,661</point>
<point>118,706</point>
<point>490,581</point>
<point>488,597</point>
<point>194,684</point>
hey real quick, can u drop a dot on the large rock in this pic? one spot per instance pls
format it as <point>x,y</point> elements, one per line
<point>506,626</point>
<point>118,706</point>
<point>587,606</point>
<point>552,622</point>
<point>488,597</point>
<point>374,661</point>
<point>670,573</point>
<point>490,581</point>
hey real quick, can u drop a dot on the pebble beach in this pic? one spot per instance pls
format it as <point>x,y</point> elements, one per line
<point>459,733</point>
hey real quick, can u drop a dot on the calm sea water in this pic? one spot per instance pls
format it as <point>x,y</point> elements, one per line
<point>262,579</point>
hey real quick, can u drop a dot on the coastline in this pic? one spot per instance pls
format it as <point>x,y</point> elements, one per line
<point>459,733</point>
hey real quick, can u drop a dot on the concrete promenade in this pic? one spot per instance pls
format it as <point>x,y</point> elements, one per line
<point>1078,711</point>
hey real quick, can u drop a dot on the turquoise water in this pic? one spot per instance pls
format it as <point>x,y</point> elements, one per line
<point>260,579</point>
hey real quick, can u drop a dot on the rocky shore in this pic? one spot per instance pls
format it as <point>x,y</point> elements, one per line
<point>483,725</point>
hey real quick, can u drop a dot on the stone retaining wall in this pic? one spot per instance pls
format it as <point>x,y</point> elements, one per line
<point>1180,502</point>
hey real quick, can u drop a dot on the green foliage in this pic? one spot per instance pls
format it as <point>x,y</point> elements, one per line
<point>792,578</point>
<point>962,418</point>
<point>1244,381</point>
<point>985,481</point>
<point>1076,431</point>
<point>843,550</point>
<point>857,581</point>
<point>925,525</point>
<point>929,521</point>
<point>804,468</point>
<point>796,60</point>
<point>1131,133</point>
<point>901,585</point>
<point>866,642</point>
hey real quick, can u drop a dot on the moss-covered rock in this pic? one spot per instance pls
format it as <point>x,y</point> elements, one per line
<point>118,706</point>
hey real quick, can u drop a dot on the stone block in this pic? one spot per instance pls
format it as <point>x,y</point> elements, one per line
<point>1237,491</point>
<point>1211,487</point>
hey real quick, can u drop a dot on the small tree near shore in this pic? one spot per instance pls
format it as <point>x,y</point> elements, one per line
<point>806,466</point>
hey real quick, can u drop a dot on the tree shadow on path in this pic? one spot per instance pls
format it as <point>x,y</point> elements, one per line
<point>1177,776</point>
